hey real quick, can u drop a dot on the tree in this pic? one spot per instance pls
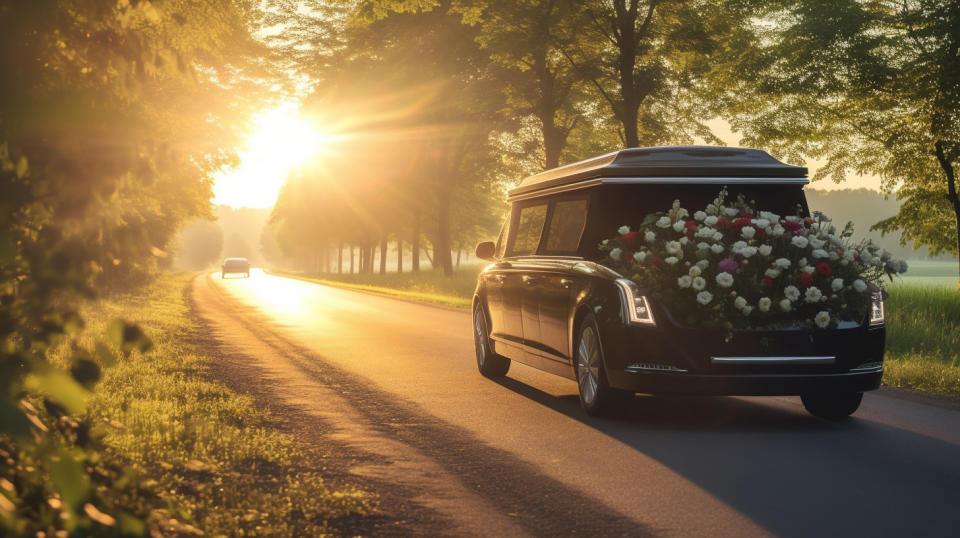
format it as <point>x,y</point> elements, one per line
<point>646,60</point>
<point>109,125</point>
<point>200,245</point>
<point>869,87</point>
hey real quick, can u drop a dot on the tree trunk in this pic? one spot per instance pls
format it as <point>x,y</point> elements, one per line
<point>441,248</point>
<point>340,258</point>
<point>399,254</point>
<point>351,258</point>
<point>383,253</point>
<point>952,195</point>
<point>459,251</point>
<point>415,263</point>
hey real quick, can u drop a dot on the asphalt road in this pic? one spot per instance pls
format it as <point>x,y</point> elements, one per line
<point>518,456</point>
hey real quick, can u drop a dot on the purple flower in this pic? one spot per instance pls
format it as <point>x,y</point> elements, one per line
<point>727,264</point>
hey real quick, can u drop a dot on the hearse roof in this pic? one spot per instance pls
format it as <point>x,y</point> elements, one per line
<point>665,164</point>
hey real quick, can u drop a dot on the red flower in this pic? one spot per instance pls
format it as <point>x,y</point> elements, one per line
<point>806,279</point>
<point>657,262</point>
<point>690,224</point>
<point>723,223</point>
<point>792,226</point>
<point>738,224</point>
<point>823,268</point>
<point>767,282</point>
<point>761,233</point>
<point>630,239</point>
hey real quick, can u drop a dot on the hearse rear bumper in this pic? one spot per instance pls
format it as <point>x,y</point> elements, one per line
<point>671,382</point>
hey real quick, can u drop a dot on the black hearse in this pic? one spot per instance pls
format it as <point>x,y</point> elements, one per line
<point>545,301</point>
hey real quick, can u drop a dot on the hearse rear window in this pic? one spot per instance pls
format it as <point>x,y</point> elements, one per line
<point>526,238</point>
<point>566,225</point>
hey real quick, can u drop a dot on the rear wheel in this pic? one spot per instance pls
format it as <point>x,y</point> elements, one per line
<point>596,396</point>
<point>832,405</point>
<point>489,363</point>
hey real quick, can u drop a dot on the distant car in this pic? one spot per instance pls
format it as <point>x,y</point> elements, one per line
<point>545,301</point>
<point>235,265</point>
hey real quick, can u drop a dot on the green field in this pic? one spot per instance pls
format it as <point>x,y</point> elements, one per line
<point>923,315</point>
<point>204,457</point>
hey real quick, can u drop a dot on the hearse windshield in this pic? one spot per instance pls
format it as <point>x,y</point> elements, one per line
<point>612,206</point>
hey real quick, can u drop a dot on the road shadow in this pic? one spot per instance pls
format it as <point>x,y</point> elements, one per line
<point>792,473</point>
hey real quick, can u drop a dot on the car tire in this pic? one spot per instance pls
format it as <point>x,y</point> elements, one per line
<point>597,397</point>
<point>832,405</point>
<point>489,363</point>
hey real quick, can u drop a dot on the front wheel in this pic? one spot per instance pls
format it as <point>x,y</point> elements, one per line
<point>489,363</point>
<point>832,405</point>
<point>597,398</point>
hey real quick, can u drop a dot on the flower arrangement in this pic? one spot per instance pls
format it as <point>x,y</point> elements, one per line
<point>731,266</point>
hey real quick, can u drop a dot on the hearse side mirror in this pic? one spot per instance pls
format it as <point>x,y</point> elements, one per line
<point>486,250</point>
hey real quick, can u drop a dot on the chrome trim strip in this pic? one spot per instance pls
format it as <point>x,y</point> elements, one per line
<point>659,368</point>
<point>583,184</point>
<point>774,360</point>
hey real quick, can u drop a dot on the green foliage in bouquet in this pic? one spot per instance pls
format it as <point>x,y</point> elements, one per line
<point>732,266</point>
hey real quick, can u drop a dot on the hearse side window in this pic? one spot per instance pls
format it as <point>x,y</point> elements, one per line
<point>566,225</point>
<point>526,238</point>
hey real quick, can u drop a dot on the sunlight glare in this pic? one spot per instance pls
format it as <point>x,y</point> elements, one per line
<point>281,140</point>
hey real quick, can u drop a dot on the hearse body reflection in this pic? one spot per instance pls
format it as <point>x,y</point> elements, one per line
<point>547,303</point>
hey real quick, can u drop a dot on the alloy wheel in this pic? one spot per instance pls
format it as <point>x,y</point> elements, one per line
<point>588,364</point>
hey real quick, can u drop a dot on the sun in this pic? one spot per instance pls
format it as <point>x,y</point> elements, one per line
<point>281,139</point>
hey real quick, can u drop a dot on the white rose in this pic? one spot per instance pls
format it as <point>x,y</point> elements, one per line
<point>699,283</point>
<point>705,231</point>
<point>738,246</point>
<point>772,217</point>
<point>748,252</point>
<point>615,254</point>
<point>746,310</point>
<point>813,294</point>
<point>859,285</point>
<point>672,247</point>
<point>684,240</point>
<point>730,212</point>
<point>604,242</point>
<point>716,248</point>
<point>837,284</point>
<point>760,223</point>
<point>834,256</point>
<point>764,250</point>
<point>663,222</point>
<point>739,303</point>
<point>640,256</point>
<point>678,226</point>
<point>703,264</point>
<point>623,230</point>
<point>764,304</point>
<point>791,292</point>
<point>822,319</point>
<point>792,218</point>
<point>649,237</point>
<point>808,269</point>
<point>785,305</point>
<point>699,216</point>
<point>685,281</point>
<point>671,260</point>
<point>844,262</point>
<point>782,263</point>
<point>777,231</point>
<point>772,273</point>
<point>704,297</point>
<point>799,241</point>
<point>819,253</point>
<point>748,232</point>
<point>710,221</point>
<point>703,246</point>
<point>817,243</point>
<point>695,271</point>
<point>725,279</point>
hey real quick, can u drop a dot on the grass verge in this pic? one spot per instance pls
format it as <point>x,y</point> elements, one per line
<point>206,457</point>
<point>923,338</point>
<point>430,287</point>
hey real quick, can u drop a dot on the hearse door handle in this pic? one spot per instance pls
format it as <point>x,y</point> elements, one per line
<point>528,280</point>
<point>566,282</point>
